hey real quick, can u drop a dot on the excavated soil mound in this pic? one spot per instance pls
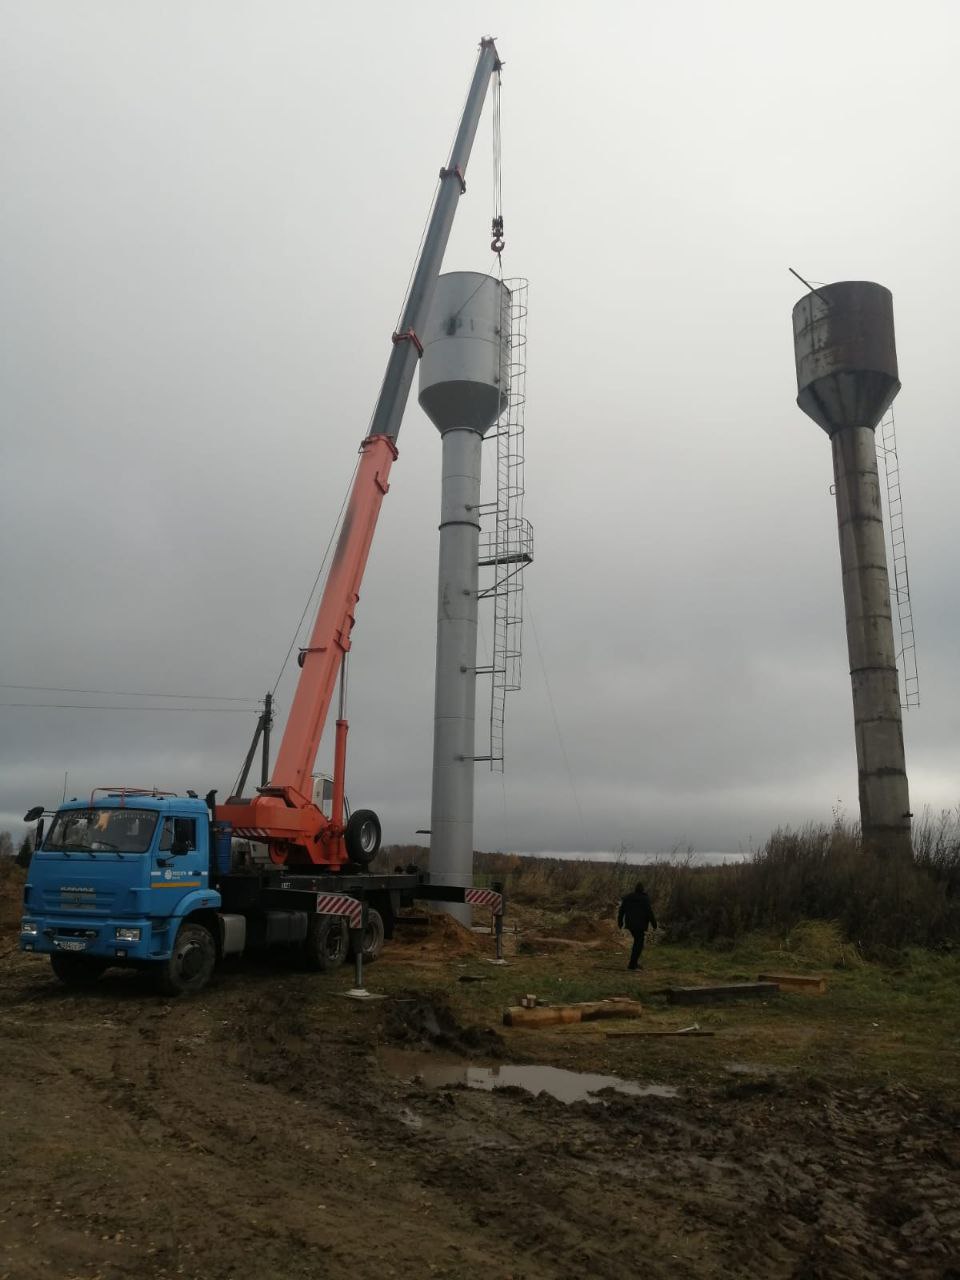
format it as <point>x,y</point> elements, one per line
<point>419,1022</point>
<point>581,928</point>
<point>441,935</point>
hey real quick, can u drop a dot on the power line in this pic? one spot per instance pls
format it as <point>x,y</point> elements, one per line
<point>124,693</point>
<point>76,706</point>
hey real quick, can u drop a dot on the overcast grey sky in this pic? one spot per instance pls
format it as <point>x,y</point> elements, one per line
<point>209,214</point>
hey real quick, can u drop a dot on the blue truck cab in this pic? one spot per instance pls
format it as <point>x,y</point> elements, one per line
<point>125,878</point>
<point>150,880</point>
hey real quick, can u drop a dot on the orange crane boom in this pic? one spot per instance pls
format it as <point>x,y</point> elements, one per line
<point>283,813</point>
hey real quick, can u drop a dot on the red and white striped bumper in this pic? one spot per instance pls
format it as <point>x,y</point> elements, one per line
<point>485,898</point>
<point>341,904</point>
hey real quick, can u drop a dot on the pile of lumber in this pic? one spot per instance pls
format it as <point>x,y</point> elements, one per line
<point>587,1011</point>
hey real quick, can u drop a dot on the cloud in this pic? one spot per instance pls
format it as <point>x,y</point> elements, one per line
<point>208,229</point>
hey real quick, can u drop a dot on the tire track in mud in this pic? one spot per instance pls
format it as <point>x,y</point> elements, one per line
<point>252,1132</point>
<point>252,1084</point>
<point>797,1184</point>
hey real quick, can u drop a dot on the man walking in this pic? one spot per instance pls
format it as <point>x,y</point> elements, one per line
<point>637,914</point>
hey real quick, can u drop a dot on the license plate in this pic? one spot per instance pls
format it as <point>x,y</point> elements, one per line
<point>72,946</point>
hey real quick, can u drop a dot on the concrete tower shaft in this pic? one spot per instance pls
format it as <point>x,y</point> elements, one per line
<point>847,378</point>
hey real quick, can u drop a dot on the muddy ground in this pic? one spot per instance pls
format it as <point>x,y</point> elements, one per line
<point>254,1132</point>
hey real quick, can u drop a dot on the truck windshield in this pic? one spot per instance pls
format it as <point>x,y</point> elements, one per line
<point>96,830</point>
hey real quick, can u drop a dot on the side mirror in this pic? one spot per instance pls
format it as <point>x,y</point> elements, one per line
<point>38,840</point>
<point>33,814</point>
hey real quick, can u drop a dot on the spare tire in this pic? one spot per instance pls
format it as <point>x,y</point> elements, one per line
<point>362,837</point>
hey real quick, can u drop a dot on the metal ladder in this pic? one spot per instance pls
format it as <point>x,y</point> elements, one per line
<point>506,541</point>
<point>899,569</point>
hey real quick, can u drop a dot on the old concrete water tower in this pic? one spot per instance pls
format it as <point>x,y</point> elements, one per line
<point>464,388</point>
<point>847,378</point>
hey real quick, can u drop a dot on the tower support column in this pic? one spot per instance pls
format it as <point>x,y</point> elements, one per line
<point>451,819</point>
<point>881,764</point>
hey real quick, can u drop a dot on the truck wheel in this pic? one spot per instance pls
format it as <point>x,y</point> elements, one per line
<point>373,936</point>
<point>191,962</point>
<point>325,946</point>
<point>77,971</point>
<point>362,837</point>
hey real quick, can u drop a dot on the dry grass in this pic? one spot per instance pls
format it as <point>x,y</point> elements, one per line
<point>818,874</point>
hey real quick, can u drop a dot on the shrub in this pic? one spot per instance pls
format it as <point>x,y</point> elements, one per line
<point>818,873</point>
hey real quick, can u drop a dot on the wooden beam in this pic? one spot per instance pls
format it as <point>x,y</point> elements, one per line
<point>797,982</point>
<point>715,995</point>
<point>622,1035</point>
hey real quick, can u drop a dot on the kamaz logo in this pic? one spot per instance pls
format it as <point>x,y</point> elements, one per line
<point>77,888</point>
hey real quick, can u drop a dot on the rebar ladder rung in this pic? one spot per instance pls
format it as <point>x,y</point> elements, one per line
<point>900,577</point>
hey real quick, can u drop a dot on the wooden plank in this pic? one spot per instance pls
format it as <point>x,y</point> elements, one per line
<point>613,1008</point>
<point>547,1016</point>
<point>797,982</point>
<point>717,994</point>
<point>634,1035</point>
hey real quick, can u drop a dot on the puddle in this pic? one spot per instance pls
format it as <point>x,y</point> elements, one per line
<point>566,1086</point>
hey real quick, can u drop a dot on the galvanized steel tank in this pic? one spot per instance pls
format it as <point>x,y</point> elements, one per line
<point>466,351</point>
<point>464,376</point>
<point>847,378</point>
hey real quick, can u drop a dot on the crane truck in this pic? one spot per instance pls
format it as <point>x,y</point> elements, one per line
<point>143,878</point>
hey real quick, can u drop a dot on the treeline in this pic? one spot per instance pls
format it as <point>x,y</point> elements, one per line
<point>392,856</point>
<point>817,873</point>
<point>22,853</point>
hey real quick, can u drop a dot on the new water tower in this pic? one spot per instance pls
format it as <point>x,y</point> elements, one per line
<point>464,388</point>
<point>847,378</point>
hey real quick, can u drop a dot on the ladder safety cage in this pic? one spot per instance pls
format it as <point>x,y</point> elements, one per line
<point>899,570</point>
<point>506,540</point>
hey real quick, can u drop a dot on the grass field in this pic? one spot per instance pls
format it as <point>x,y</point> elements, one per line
<point>249,1130</point>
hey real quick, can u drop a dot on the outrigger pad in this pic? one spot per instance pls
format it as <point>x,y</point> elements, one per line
<point>360,993</point>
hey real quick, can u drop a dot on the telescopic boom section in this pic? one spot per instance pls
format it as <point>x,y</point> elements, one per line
<point>330,639</point>
<point>283,814</point>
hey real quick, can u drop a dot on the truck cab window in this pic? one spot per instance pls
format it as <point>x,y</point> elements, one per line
<point>180,833</point>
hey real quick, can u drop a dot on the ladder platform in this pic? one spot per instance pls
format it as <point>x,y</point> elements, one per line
<point>519,557</point>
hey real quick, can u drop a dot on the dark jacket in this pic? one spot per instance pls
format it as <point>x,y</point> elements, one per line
<point>636,913</point>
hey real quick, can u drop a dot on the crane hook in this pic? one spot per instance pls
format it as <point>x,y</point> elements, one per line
<point>496,229</point>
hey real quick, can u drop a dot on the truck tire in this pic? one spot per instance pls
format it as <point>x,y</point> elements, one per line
<point>325,946</point>
<point>191,962</point>
<point>373,936</point>
<point>77,971</point>
<point>362,837</point>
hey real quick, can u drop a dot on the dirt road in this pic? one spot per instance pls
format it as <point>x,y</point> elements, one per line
<point>254,1132</point>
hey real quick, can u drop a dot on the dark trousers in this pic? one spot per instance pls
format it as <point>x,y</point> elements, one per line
<point>637,950</point>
